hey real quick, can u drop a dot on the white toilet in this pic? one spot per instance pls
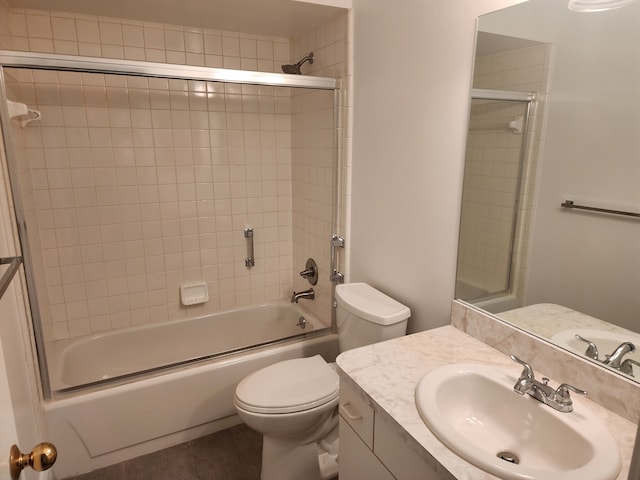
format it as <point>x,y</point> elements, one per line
<point>294,403</point>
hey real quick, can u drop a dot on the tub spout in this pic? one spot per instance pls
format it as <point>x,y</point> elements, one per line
<point>309,294</point>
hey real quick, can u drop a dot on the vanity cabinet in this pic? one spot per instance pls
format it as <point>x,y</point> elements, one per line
<point>369,446</point>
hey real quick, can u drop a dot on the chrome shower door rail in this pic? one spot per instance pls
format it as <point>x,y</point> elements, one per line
<point>14,264</point>
<point>75,63</point>
<point>502,95</point>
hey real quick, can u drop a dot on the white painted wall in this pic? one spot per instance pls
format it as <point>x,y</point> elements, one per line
<point>412,75</point>
<point>592,262</point>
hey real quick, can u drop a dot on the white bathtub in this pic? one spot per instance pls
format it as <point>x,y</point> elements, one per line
<point>108,356</point>
<point>112,423</point>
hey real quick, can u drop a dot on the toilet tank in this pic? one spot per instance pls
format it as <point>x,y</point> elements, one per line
<point>365,315</point>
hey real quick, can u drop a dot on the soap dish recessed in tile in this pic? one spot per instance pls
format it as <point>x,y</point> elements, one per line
<point>194,293</point>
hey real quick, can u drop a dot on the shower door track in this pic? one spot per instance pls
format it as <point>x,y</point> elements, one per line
<point>75,63</point>
<point>502,95</point>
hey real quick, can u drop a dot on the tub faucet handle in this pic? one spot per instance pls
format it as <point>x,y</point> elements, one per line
<point>310,271</point>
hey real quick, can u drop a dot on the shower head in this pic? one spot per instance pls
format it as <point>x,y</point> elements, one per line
<point>295,68</point>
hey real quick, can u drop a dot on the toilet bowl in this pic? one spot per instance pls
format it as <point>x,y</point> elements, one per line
<point>294,403</point>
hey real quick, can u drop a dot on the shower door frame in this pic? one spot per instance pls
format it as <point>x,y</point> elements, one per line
<point>526,98</point>
<point>74,63</point>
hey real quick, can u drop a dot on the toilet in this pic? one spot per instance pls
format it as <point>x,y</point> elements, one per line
<point>294,403</point>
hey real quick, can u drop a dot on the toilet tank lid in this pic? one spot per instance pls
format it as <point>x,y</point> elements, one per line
<point>363,300</point>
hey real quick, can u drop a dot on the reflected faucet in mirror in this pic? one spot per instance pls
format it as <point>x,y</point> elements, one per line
<point>615,359</point>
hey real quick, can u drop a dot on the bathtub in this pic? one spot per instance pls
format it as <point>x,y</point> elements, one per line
<point>187,374</point>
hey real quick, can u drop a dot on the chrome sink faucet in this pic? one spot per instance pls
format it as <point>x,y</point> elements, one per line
<point>308,294</point>
<point>558,399</point>
<point>616,359</point>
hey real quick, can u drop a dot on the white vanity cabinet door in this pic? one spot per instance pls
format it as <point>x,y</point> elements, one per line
<point>393,452</point>
<point>355,460</point>
<point>357,413</point>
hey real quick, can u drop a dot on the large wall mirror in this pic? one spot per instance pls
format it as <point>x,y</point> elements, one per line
<point>555,126</point>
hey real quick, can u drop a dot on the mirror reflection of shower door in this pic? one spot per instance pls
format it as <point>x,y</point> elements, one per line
<point>492,178</point>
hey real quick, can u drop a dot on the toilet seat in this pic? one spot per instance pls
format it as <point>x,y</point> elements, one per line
<point>288,387</point>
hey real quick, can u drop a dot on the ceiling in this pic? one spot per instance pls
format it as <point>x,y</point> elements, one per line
<point>281,18</point>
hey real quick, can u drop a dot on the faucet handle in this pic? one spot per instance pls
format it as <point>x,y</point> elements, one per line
<point>527,372</point>
<point>562,393</point>
<point>310,271</point>
<point>627,366</point>
<point>592,349</point>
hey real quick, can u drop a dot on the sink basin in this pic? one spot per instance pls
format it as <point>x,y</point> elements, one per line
<point>474,411</point>
<point>605,340</point>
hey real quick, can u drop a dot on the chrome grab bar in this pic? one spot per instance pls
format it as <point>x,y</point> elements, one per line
<point>250,261</point>
<point>14,264</point>
<point>571,204</point>
<point>336,242</point>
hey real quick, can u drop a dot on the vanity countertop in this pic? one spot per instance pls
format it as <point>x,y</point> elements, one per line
<point>387,374</point>
<point>547,319</point>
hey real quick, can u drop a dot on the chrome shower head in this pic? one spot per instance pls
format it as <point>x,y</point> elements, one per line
<point>295,68</point>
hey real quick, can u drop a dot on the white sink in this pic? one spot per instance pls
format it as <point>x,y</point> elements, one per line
<point>474,411</point>
<point>605,340</point>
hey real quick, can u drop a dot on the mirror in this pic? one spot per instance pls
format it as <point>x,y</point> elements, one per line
<point>563,271</point>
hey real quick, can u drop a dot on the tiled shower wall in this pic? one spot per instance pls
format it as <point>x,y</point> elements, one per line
<point>313,163</point>
<point>141,185</point>
<point>6,41</point>
<point>491,168</point>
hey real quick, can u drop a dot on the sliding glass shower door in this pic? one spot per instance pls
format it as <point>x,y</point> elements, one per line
<point>133,184</point>
<point>491,197</point>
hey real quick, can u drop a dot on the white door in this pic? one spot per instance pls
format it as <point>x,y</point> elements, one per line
<point>8,433</point>
<point>18,392</point>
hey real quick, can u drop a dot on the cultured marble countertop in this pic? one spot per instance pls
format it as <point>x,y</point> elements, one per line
<point>387,374</point>
<point>547,319</point>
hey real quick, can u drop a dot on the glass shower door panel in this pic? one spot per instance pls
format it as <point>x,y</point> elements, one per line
<point>133,186</point>
<point>490,198</point>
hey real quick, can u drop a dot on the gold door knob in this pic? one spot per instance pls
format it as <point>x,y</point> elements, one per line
<point>42,457</point>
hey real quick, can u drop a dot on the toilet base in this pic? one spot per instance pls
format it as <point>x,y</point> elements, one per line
<point>286,460</point>
<point>328,455</point>
<point>282,460</point>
